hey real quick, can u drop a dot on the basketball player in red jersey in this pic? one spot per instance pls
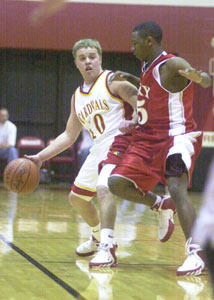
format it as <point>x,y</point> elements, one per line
<point>166,142</point>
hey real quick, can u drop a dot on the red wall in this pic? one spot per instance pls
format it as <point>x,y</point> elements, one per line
<point>187,31</point>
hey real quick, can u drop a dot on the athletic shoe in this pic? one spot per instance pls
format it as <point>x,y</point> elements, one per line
<point>166,209</point>
<point>194,264</point>
<point>105,256</point>
<point>88,248</point>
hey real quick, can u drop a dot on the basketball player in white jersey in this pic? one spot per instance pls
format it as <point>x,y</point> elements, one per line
<point>99,106</point>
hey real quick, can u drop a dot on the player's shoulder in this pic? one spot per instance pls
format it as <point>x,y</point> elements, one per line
<point>176,63</point>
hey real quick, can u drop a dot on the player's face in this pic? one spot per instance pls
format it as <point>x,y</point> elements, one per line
<point>88,62</point>
<point>140,46</point>
<point>3,115</point>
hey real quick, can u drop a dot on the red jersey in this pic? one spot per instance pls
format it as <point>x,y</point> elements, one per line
<point>162,113</point>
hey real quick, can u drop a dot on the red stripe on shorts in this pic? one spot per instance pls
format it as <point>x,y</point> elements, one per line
<point>83,192</point>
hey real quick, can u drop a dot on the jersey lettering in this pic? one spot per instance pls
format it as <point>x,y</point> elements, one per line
<point>142,113</point>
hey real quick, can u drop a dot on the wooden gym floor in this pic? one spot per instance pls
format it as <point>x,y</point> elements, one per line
<point>38,236</point>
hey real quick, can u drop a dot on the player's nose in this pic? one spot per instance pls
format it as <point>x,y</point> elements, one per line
<point>87,60</point>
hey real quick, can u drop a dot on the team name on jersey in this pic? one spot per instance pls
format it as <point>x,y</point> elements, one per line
<point>94,105</point>
<point>143,91</point>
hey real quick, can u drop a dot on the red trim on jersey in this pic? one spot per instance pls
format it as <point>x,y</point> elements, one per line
<point>83,192</point>
<point>81,86</point>
<point>107,86</point>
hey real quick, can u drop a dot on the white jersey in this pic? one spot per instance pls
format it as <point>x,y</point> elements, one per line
<point>99,111</point>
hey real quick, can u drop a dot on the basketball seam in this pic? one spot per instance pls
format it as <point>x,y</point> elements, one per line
<point>26,178</point>
<point>11,185</point>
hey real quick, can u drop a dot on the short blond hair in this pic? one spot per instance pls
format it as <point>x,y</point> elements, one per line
<point>85,43</point>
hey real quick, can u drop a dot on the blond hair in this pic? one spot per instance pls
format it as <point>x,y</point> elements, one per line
<point>85,43</point>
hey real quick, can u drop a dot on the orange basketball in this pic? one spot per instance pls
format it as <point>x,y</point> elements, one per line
<point>21,176</point>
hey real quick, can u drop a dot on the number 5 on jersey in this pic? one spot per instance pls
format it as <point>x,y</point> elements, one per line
<point>142,113</point>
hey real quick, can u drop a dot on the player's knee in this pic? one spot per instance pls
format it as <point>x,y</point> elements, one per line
<point>72,199</point>
<point>117,185</point>
<point>175,166</point>
<point>102,192</point>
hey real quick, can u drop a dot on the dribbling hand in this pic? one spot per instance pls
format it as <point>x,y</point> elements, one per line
<point>35,159</point>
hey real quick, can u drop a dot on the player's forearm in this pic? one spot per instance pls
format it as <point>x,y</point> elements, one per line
<point>134,80</point>
<point>61,143</point>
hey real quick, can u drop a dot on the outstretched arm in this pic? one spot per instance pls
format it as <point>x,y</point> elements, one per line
<point>196,76</point>
<point>62,142</point>
<point>177,72</point>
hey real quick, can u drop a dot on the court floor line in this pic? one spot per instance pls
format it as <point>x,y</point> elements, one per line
<point>60,282</point>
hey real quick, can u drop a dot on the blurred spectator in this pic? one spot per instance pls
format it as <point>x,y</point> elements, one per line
<point>8,133</point>
<point>84,146</point>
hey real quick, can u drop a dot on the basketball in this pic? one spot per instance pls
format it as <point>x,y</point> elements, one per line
<point>21,176</point>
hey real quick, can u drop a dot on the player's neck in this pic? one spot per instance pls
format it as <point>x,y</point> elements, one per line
<point>154,55</point>
<point>89,80</point>
<point>86,87</point>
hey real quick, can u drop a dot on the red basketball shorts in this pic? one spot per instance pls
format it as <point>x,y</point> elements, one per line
<point>144,161</point>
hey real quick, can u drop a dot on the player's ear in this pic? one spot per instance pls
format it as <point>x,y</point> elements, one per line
<point>150,40</point>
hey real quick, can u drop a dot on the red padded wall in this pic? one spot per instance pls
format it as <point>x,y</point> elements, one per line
<point>187,31</point>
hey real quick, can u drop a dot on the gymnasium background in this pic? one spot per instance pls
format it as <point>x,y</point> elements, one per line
<point>37,72</point>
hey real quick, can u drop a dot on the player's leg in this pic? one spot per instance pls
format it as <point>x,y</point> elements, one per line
<point>84,187</point>
<point>163,205</point>
<point>107,206</point>
<point>194,263</point>
<point>178,165</point>
<point>186,213</point>
<point>82,193</point>
<point>133,178</point>
<point>88,212</point>
<point>86,209</point>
